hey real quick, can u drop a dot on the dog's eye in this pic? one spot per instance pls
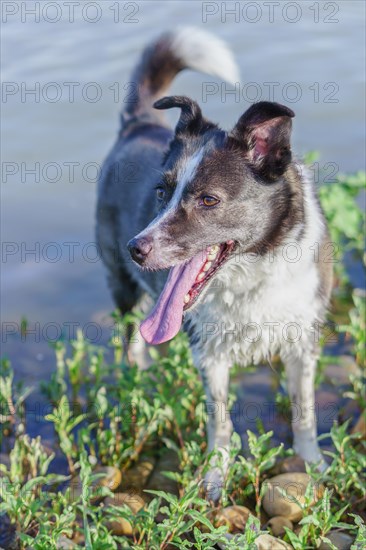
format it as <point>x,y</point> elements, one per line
<point>208,201</point>
<point>160,193</point>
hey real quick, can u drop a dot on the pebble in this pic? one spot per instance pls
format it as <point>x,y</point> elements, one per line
<point>294,484</point>
<point>169,462</point>
<point>137,476</point>
<point>267,542</point>
<point>112,479</point>
<point>290,464</point>
<point>65,543</point>
<point>263,542</point>
<point>277,525</point>
<point>360,426</point>
<point>341,540</point>
<point>8,536</point>
<point>121,526</point>
<point>234,517</point>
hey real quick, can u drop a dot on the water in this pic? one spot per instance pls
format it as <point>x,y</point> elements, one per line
<point>50,272</point>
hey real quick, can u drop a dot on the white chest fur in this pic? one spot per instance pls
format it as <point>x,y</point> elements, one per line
<point>251,310</point>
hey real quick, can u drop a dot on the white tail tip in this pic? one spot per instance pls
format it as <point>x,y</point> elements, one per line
<point>204,52</point>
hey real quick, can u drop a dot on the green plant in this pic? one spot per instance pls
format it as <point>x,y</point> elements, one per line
<point>251,469</point>
<point>356,327</point>
<point>118,433</point>
<point>23,497</point>
<point>318,520</point>
<point>346,220</point>
<point>64,422</point>
<point>12,400</point>
<point>360,540</point>
<point>346,473</point>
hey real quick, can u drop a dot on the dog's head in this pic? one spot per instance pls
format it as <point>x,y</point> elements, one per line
<point>219,192</point>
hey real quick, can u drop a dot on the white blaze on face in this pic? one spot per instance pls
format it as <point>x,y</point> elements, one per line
<point>184,176</point>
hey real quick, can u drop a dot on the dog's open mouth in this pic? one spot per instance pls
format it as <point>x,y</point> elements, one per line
<point>216,257</point>
<point>184,285</point>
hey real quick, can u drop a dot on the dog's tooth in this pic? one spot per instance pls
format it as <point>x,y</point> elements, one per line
<point>187,298</point>
<point>207,266</point>
<point>213,251</point>
<point>200,276</point>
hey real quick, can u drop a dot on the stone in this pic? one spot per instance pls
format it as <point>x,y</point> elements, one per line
<point>9,537</point>
<point>277,525</point>
<point>267,542</point>
<point>137,477</point>
<point>341,540</point>
<point>79,535</point>
<point>234,517</point>
<point>65,543</point>
<point>263,542</point>
<point>290,464</point>
<point>122,526</point>
<point>153,444</point>
<point>112,479</point>
<point>360,426</point>
<point>223,545</point>
<point>169,462</point>
<point>294,484</point>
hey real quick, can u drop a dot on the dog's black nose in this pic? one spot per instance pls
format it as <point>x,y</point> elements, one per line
<point>139,249</point>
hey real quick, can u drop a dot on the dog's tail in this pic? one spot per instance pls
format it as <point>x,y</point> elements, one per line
<point>161,61</point>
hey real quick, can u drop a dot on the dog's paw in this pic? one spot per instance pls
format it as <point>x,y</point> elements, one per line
<point>213,484</point>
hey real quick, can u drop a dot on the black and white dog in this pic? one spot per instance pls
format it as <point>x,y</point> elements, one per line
<point>236,221</point>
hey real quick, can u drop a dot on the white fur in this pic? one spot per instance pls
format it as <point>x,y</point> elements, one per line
<point>202,51</point>
<point>184,176</point>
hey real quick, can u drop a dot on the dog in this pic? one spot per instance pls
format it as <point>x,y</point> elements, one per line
<point>234,217</point>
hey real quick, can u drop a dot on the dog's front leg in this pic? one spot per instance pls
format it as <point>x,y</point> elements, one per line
<point>300,367</point>
<point>215,377</point>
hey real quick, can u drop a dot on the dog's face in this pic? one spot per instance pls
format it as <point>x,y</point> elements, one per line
<point>218,188</point>
<point>218,193</point>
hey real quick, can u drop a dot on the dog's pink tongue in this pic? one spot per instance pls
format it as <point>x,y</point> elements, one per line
<point>165,320</point>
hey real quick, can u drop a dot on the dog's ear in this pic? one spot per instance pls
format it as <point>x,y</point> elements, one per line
<point>264,132</point>
<point>191,121</point>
